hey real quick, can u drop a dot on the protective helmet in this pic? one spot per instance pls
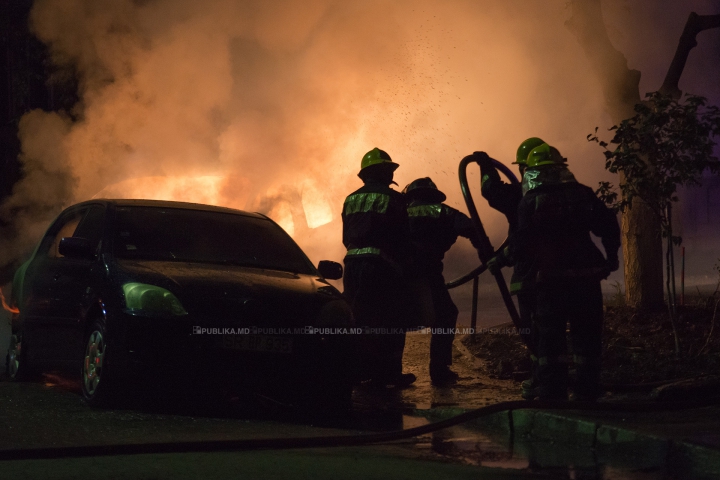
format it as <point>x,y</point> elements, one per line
<point>525,148</point>
<point>544,155</point>
<point>424,189</point>
<point>377,157</point>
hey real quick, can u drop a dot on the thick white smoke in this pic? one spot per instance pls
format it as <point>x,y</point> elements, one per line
<point>270,105</point>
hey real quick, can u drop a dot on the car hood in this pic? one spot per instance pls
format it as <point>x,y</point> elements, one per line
<point>242,296</point>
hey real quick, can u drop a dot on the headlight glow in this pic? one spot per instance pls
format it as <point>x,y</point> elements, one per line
<point>150,299</point>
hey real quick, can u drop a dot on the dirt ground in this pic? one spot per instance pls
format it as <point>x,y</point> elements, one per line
<point>637,347</point>
<point>474,389</point>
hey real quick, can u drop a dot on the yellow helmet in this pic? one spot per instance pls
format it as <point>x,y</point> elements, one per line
<point>377,157</point>
<point>525,148</point>
<point>544,155</point>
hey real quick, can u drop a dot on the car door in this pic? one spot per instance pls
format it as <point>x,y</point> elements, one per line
<point>59,286</point>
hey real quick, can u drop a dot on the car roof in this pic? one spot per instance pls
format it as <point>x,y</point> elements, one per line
<point>168,204</point>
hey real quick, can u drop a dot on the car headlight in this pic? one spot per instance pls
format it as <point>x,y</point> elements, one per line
<point>141,298</point>
<point>336,313</point>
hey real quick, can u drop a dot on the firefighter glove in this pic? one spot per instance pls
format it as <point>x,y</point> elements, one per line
<point>483,159</point>
<point>494,265</point>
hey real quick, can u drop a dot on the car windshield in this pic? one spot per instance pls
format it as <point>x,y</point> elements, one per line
<point>174,234</point>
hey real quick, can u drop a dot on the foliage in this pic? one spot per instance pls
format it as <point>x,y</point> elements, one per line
<point>667,144</point>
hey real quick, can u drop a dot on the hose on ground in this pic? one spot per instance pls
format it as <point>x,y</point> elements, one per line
<point>335,440</point>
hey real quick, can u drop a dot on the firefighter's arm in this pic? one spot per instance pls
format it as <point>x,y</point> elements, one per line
<point>464,227</point>
<point>488,172</point>
<point>520,244</point>
<point>501,196</point>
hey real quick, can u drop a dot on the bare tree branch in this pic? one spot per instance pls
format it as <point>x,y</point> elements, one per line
<point>695,24</point>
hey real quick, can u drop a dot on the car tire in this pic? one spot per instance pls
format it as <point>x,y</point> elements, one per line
<point>98,388</point>
<point>17,364</point>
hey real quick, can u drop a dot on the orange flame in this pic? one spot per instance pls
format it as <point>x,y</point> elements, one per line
<point>5,305</point>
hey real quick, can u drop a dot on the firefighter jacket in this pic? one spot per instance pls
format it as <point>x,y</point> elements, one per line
<point>505,198</point>
<point>434,228</point>
<point>555,219</point>
<point>375,224</point>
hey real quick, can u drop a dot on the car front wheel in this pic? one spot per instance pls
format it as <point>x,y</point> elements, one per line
<point>96,386</point>
<point>17,366</point>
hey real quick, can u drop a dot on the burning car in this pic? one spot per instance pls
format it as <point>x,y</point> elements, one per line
<point>129,290</point>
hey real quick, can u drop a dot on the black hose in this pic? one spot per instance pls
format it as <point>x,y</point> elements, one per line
<point>486,250</point>
<point>333,440</point>
<point>466,278</point>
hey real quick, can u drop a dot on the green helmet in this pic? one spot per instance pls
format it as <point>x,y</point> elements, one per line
<point>377,157</point>
<point>544,155</point>
<point>525,148</point>
<point>424,189</point>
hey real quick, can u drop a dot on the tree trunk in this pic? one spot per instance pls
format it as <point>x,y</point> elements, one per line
<point>643,257</point>
<point>641,233</point>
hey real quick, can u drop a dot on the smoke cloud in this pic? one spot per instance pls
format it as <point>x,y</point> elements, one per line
<point>269,106</point>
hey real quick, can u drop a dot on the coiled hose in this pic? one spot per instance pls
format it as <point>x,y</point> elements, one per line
<point>486,250</point>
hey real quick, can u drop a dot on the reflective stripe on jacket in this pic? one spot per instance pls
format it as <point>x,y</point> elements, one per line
<point>375,223</point>
<point>434,228</point>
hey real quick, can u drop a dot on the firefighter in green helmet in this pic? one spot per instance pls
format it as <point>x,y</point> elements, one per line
<point>376,235</point>
<point>554,221</point>
<point>434,228</point>
<point>505,197</point>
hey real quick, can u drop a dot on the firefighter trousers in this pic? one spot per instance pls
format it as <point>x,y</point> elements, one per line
<point>579,303</point>
<point>374,290</point>
<point>445,320</point>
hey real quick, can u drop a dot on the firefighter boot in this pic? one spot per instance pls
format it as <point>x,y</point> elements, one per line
<point>552,375</point>
<point>529,385</point>
<point>405,380</point>
<point>587,387</point>
<point>443,376</point>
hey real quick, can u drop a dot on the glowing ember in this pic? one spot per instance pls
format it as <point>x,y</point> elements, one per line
<point>6,306</point>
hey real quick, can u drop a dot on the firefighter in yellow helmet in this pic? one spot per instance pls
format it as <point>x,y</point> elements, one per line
<point>555,218</point>
<point>376,235</point>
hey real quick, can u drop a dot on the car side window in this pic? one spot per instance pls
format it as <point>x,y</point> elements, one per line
<point>66,228</point>
<point>92,224</point>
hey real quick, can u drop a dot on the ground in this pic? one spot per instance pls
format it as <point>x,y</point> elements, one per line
<point>637,347</point>
<point>49,412</point>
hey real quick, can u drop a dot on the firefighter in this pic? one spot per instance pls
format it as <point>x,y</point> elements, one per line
<point>505,197</point>
<point>376,235</point>
<point>434,228</point>
<point>555,218</point>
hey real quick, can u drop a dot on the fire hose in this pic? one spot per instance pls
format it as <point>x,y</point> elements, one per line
<point>486,250</point>
<point>334,440</point>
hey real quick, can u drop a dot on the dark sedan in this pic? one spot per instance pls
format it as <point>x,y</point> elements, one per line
<point>133,292</point>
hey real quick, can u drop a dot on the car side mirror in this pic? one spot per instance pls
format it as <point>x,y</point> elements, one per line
<point>330,270</point>
<point>76,247</point>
